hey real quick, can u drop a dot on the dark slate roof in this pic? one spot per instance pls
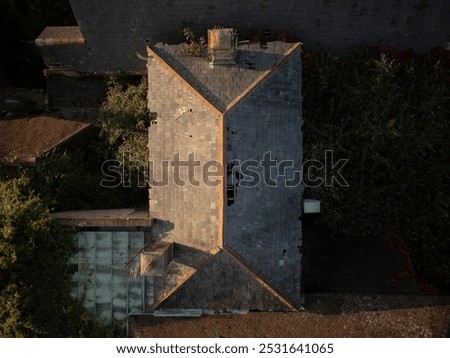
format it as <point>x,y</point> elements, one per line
<point>115,30</point>
<point>273,78</point>
<point>222,280</point>
<point>25,139</point>
<point>222,85</point>
<point>60,36</point>
<point>64,48</point>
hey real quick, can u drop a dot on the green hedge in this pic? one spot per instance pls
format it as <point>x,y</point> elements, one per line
<point>388,113</point>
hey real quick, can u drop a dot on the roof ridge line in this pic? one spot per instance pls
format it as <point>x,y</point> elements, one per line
<point>235,256</point>
<point>174,289</point>
<point>153,53</point>
<point>261,79</point>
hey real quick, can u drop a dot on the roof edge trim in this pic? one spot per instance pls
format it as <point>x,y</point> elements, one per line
<point>47,38</point>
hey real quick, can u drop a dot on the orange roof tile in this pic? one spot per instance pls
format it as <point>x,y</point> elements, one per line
<point>24,139</point>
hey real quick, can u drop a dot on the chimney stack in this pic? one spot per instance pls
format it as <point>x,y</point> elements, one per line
<point>222,46</point>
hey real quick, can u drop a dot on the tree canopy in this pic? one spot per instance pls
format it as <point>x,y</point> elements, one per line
<point>124,121</point>
<point>388,113</point>
<point>33,264</point>
<point>35,282</point>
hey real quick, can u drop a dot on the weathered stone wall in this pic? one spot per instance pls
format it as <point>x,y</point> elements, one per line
<point>115,29</point>
<point>184,125</point>
<point>263,224</point>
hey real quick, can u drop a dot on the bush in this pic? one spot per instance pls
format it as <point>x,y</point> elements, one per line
<point>193,47</point>
<point>388,113</point>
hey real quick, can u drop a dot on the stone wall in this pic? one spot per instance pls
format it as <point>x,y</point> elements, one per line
<point>115,29</point>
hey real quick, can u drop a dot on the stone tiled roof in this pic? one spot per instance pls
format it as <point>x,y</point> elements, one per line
<point>240,287</point>
<point>60,36</point>
<point>25,139</point>
<point>256,93</point>
<point>222,85</point>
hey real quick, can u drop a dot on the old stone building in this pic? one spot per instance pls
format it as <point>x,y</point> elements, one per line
<point>220,116</point>
<point>223,231</point>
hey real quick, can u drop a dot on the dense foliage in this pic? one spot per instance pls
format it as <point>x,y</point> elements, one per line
<point>124,121</point>
<point>124,112</point>
<point>388,113</point>
<point>35,284</point>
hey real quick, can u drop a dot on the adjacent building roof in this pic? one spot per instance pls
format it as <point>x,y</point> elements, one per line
<point>60,36</point>
<point>327,315</point>
<point>116,30</point>
<point>105,272</point>
<point>104,218</point>
<point>26,139</point>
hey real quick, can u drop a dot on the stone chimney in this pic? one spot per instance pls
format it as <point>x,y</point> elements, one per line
<point>222,46</point>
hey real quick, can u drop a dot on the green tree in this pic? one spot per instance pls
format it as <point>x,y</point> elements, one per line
<point>124,121</point>
<point>388,113</point>
<point>124,112</point>
<point>33,260</point>
<point>35,285</point>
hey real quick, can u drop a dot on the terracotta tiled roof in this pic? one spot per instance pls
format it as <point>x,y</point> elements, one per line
<point>60,35</point>
<point>24,139</point>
